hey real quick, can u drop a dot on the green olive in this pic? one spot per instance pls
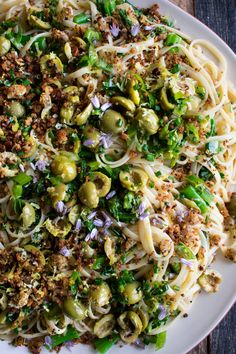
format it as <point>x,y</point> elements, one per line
<point>58,228</point>
<point>104,326</point>
<point>16,109</point>
<point>82,117</point>
<point>131,325</point>
<point>92,134</point>
<point>102,183</point>
<point>147,120</point>
<point>71,90</point>
<point>38,23</point>
<point>165,103</point>
<point>134,180</point>
<point>37,253</point>
<point>32,147</point>
<point>66,113</point>
<point>231,206</point>
<point>110,250</point>
<point>124,102</point>
<point>49,61</point>
<point>65,168</point>
<point>113,122</point>
<point>3,317</point>
<point>77,146</point>
<point>74,214</point>
<point>88,195</point>
<point>100,294</point>
<point>133,92</point>
<point>144,317</point>
<point>74,309</point>
<point>57,193</point>
<point>5,45</point>
<point>53,313</point>
<point>132,294</point>
<point>28,215</point>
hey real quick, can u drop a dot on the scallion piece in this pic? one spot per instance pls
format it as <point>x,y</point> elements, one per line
<point>172,39</point>
<point>17,191</point>
<point>81,18</point>
<point>69,335</point>
<point>104,344</point>
<point>22,178</point>
<point>190,193</point>
<point>160,340</point>
<point>184,251</point>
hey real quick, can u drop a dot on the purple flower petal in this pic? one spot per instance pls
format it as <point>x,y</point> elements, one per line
<point>48,341</point>
<point>64,252</point>
<point>105,106</point>
<point>163,312</point>
<point>108,221</point>
<point>141,208</point>
<point>186,262</point>
<point>61,208</point>
<point>32,166</point>
<point>98,223</point>
<point>21,167</point>
<point>110,195</point>
<point>143,216</point>
<point>115,30</point>
<point>88,142</point>
<point>92,215</point>
<point>95,101</point>
<point>78,225</point>
<point>41,165</point>
<point>135,30</point>
<point>70,344</point>
<point>149,28</point>
<point>92,235</point>
<point>106,140</point>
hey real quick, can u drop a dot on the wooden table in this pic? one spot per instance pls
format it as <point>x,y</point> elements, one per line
<point>220,16</point>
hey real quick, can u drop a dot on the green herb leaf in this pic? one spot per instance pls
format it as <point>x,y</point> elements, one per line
<point>22,178</point>
<point>104,344</point>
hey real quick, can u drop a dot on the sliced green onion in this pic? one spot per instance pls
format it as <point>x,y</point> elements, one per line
<point>184,251</point>
<point>172,38</point>
<point>17,191</point>
<point>81,18</point>
<point>69,335</point>
<point>104,344</point>
<point>175,69</point>
<point>22,178</point>
<point>160,340</point>
<point>190,192</point>
<point>201,91</point>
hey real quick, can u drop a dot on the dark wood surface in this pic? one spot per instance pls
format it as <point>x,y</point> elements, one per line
<point>220,16</point>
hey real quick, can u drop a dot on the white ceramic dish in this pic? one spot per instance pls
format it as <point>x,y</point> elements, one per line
<point>208,310</point>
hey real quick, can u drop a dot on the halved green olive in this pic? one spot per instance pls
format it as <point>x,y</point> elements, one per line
<point>144,317</point>
<point>3,317</point>
<point>65,168</point>
<point>5,45</point>
<point>88,195</point>
<point>131,325</point>
<point>53,313</point>
<point>58,228</point>
<point>57,193</point>
<point>113,122</point>
<point>147,120</point>
<point>36,252</point>
<point>93,135</point>
<point>82,117</point>
<point>66,113</point>
<point>16,109</point>
<point>165,103</point>
<point>134,180</point>
<point>49,62</point>
<point>124,102</point>
<point>73,215</point>
<point>102,183</point>
<point>100,294</point>
<point>231,206</point>
<point>132,293</point>
<point>38,23</point>
<point>133,92</point>
<point>104,326</point>
<point>28,215</point>
<point>74,309</point>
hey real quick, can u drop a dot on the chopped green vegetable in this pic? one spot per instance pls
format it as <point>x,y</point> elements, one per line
<point>58,339</point>
<point>190,193</point>
<point>212,147</point>
<point>172,38</point>
<point>104,344</point>
<point>22,178</point>
<point>17,190</point>
<point>81,18</point>
<point>160,340</point>
<point>201,91</point>
<point>184,251</point>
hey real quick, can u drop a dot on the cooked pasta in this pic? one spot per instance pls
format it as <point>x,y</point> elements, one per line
<point>117,172</point>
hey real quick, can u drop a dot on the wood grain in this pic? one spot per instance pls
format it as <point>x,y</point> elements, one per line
<point>186,5</point>
<point>220,16</point>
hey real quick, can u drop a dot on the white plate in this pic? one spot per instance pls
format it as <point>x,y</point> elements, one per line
<point>207,310</point>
